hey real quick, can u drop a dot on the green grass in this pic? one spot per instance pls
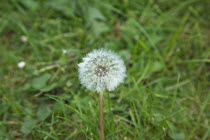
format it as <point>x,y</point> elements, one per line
<point>166,49</point>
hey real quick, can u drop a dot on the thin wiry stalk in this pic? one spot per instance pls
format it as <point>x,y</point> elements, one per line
<point>101,116</point>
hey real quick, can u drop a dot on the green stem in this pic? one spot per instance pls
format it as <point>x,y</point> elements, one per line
<point>101,116</point>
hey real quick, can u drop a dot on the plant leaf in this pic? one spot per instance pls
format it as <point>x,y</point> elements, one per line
<point>28,125</point>
<point>41,81</point>
<point>43,112</point>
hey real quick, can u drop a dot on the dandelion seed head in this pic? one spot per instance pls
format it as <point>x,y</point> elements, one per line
<point>101,69</point>
<point>24,38</point>
<point>21,64</point>
<point>64,51</point>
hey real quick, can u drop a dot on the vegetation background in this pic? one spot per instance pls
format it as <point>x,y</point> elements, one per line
<point>164,43</point>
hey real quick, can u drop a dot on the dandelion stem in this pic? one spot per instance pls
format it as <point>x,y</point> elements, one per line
<point>101,116</point>
<point>109,103</point>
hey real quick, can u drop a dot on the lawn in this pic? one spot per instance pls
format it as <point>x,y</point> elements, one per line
<point>164,44</point>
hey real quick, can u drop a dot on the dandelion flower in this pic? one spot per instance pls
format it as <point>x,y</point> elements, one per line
<point>101,69</point>
<point>21,64</point>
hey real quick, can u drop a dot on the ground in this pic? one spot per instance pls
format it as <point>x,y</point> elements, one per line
<point>164,44</point>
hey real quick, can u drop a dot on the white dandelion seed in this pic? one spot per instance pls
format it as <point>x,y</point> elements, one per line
<point>101,69</point>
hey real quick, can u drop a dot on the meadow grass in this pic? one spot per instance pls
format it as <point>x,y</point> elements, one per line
<point>166,49</point>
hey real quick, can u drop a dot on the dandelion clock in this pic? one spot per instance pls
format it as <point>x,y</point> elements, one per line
<point>101,70</point>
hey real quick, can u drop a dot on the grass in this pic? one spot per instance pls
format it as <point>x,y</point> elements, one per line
<point>166,49</point>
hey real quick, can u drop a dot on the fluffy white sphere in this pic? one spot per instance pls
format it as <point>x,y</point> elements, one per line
<point>101,69</point>
<point>21,64</point>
